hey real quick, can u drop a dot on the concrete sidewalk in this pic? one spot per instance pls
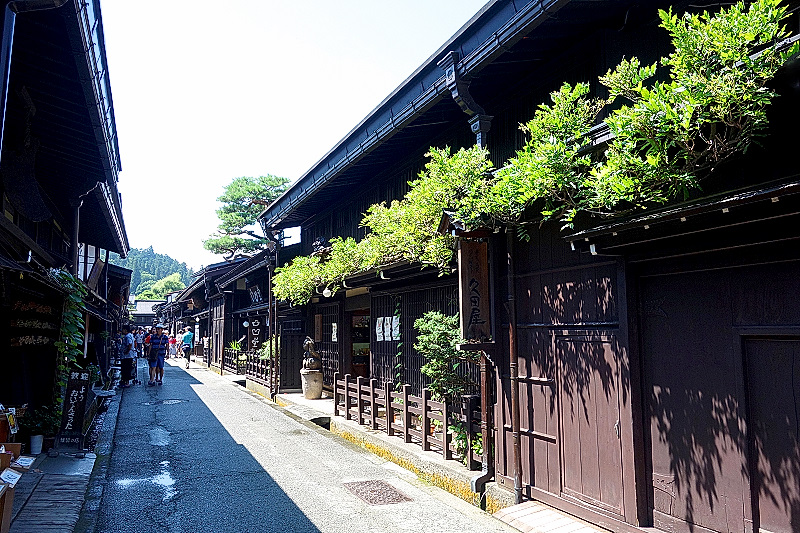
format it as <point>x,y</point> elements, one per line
<point>49,497</point>
<point>431,467</point>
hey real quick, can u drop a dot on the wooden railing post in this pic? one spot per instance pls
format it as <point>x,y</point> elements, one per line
<point>373,405</point>
<point>335,394</point>
<point>467,405</point>
<point>359,402</point>
<point>347,396</point>
<point>471,404</point>
<point>387,391</point>
<point>448,454</point>
<point>406,414</point>
<point>426,424</point>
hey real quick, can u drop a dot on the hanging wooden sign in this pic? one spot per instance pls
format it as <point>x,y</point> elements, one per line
<point>255,333</point>
<point>474,291</point>
<point>318,327</point>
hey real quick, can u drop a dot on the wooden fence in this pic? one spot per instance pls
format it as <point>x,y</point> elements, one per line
<point>230,360</point>
<point>257,368</point>
<point>416,419</point>
<point>247,364</point>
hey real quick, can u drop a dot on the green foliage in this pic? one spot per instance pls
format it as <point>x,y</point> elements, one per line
<point>549,165</point>
<point>71,335</point>
<point>460,441</point>
<point>667,135</point>
<point>148,266</point>
<point>235,345</point>
<point>243,200</point>
<point>405,230</point>
<point>43,420</point>
<point>712,107</point>
<point>437,337</point>
<point>159,289</point>
<point>297,281</point>
<point>94,374</point>
<point>267,347</point>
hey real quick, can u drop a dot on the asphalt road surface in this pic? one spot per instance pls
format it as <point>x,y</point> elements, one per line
<point>201,454</point>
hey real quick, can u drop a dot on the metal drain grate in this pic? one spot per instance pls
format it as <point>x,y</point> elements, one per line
<point>376,492</point>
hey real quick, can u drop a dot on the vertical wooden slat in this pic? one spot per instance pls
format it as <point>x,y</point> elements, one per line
<point>336,394</point>
<point>347,396</point>
<point>387,391</point>
<point>373,405</point>
<point>426,397</point>
<point>406,414</point>
<point>445,434</point>
<point>359,400</point>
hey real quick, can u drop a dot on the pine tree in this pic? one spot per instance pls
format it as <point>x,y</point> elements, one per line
<point>244,199</point>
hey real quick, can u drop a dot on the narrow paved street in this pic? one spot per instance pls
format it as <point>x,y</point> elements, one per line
<point>201,454</point>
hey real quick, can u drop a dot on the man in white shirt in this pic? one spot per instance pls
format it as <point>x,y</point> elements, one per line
<point>140,342</point>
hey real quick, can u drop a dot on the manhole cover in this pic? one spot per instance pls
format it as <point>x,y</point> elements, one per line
<point>165,402</point>
<point>376,492</point>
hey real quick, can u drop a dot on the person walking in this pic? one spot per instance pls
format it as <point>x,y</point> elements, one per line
<point>173,346</point>
<point>127,357</point>
<point>139,337</point>
<point>159,343</point>
<point>187,343</point>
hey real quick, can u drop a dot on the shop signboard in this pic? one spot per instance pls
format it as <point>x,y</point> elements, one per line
<point>474,291</point>
<point>71,434</point>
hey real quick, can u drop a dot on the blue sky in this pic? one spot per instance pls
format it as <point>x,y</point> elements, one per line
<point>208,91</point>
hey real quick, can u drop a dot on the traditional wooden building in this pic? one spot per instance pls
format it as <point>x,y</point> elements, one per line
<point>61,209</point>
<point>256,318</point>
<point>203,307</point>
<point>144,313</point>
<point>646,367</point>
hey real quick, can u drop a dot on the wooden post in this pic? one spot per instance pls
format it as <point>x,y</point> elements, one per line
<point>406,414</point>
<point>335,394</point>
<point>387,391</point>
<point>373,405</point>
<point>426,423</point>
<point>445,434</point>
<point>469,405</point>
<point>359,402</point>
<point>347,396</point>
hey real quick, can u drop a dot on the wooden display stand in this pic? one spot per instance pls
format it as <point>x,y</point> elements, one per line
<point>6,506</point>
<point>13,451</point>
<point>14,447</point>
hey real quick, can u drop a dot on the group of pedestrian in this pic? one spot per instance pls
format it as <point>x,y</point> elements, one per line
<point>156,346</point>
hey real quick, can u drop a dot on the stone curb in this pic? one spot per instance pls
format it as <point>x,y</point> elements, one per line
<point>90,511</point>
<point>428,466</point>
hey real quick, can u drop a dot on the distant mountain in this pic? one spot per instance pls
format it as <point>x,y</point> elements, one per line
<point>149,267</point>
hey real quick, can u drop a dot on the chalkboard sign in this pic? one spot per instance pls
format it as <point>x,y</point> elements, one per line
<point>71,434</point>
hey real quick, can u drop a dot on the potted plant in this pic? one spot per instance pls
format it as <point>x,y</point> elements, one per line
<point>41,422</point>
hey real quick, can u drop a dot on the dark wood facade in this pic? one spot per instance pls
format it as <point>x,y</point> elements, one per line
<point>656,355</point>
<point>59,166</point>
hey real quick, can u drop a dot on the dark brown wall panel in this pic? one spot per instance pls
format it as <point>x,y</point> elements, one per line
<point>720,353</point>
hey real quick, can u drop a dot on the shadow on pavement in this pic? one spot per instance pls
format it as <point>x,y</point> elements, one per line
<point>174,467</point>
